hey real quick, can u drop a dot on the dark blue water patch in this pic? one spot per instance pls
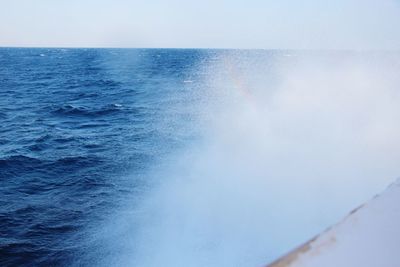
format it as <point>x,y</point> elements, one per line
<point>15,163</point>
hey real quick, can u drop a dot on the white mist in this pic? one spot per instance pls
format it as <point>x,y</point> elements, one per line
<point>279,161</point>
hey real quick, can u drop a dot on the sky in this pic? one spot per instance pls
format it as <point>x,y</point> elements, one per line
<point>265,24</point>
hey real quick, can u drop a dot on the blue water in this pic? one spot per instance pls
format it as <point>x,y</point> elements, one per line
<point>79,128</point>
<point>88,136</point>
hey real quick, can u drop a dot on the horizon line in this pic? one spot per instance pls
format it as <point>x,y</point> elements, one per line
<point>203,48</point>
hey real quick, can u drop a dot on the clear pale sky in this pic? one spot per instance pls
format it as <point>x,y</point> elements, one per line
<point>304,24</point>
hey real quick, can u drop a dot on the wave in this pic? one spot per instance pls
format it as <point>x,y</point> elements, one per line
<point>23,163</point>
<point>3,115</point>
<point>94,83</point>
<point>70,110</point>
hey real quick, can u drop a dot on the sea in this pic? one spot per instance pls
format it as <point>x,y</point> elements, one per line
<point>86,135</point>
<point>79,128</point>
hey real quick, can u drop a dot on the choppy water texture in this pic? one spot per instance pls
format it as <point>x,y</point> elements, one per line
<point>78,129</point>
<point>262,151</point>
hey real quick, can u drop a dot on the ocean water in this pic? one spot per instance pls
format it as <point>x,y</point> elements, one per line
<point>79,127</point>
<point>149,157</point>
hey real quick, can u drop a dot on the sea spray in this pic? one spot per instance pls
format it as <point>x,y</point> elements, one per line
<point>280,158</point>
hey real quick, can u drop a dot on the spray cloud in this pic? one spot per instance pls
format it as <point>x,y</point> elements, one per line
<point>290,143</point>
